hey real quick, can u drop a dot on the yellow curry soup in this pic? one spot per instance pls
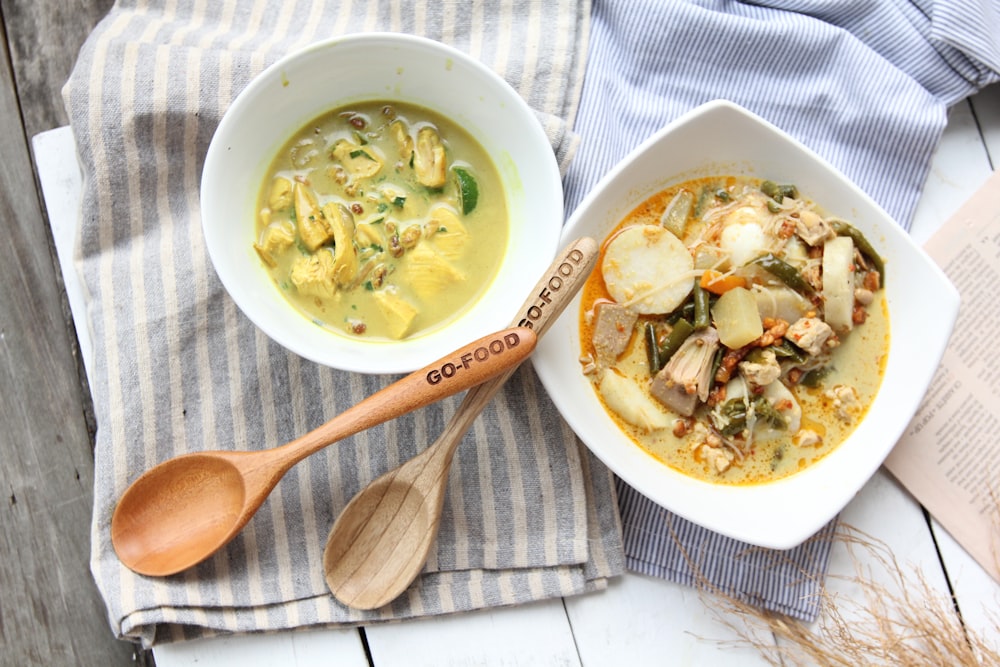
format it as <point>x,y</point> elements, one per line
<point>382,221</point>
<point>734,331</point>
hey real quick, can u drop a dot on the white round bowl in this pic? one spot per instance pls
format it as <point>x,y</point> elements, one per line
<point>348,70</point>
<point>722,138</point>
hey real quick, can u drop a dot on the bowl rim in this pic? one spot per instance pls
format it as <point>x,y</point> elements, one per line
<point>543,190</point>
<point>805,501</point>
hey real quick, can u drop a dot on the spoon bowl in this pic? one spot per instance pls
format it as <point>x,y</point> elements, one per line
<point>183,510</point>
<point>381,540</point>
<point>145,532</point>
<point>366,583</point>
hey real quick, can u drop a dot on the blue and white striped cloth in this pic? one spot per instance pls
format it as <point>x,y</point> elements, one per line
<point>864,83</point>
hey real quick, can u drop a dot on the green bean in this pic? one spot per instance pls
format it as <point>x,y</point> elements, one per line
<point>682,329</point>
<point>684,311</point>
<point>652,349</point>
<point>861,243</point>
<point>702,306</point>
<point>717,361</point>
<point>784,272</point>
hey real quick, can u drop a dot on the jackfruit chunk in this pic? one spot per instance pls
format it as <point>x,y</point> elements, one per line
<point>280,196</point>
<point>401,133</point>
<point>450,235</point>
<point>345,252</point>
<point>276,237</point>
<point>430,273</point>
<point>397,311</point>
<point>359,161</point>
<point>429,160</point>
<point>312,275</point>
<point>314,230</point>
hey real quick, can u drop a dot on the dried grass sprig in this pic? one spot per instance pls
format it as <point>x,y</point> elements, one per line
<point>893,616</point>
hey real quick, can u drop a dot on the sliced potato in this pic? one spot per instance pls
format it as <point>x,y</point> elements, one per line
<point>648,269</point>
<point>838,283</point>
<point>736,317</point>
<point>629,401</point>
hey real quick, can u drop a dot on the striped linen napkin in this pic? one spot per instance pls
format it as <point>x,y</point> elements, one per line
<point>177,368</point>
<point>864,84</point>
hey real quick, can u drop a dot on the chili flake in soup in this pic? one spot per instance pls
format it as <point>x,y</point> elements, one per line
<point>382,220</point>
<point>734,331</point>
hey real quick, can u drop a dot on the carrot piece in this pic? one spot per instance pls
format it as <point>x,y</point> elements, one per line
<point>716,283</point>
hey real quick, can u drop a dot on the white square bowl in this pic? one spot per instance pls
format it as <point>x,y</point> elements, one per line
<point>721,138</point>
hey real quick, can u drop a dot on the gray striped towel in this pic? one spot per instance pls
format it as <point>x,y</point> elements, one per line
<point>177,368</point>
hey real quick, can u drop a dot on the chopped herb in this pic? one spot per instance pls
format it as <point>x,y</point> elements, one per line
<point>399,202</point>
<point>382,207</point>
<point>368,286</point>
<point>376,247</point>
<point>361,153</point>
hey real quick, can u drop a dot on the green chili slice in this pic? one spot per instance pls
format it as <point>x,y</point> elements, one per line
<point>779,192</point>
<point>815,377</point>
<point>789,350</point>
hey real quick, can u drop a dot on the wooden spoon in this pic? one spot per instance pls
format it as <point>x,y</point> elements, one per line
<point>183,510</point>
<point>380,541</point>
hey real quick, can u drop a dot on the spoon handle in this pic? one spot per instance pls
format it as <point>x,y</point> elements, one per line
<point>549,298</point>
<point>466,367</point>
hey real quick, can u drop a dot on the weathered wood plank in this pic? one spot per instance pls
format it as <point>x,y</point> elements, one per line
<point>43,38</point>
<point>50,611</point>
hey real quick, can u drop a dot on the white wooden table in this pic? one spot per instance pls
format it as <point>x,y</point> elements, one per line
<point>639,620</point>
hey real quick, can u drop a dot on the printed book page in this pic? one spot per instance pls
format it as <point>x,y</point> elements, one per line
<point>949,457</point>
